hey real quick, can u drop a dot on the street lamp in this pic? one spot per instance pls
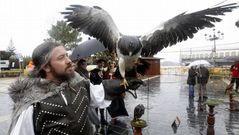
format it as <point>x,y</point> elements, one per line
<point>213,37</point>
<point>237,23</point>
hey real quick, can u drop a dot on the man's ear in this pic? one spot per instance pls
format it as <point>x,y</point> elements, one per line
<point>47,68</point>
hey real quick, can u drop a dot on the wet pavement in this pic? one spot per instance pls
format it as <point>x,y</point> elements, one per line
<point>5,105</point>
<point>165,98</point>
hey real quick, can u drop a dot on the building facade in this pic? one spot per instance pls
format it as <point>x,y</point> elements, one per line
<point>220,58</point>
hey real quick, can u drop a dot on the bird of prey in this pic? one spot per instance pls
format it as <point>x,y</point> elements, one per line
<point>138,111</point>
<point>97,22</point>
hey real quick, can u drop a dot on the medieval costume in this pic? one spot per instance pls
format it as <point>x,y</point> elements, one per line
<point>42,107</point>
<point>54,108</point>
<point>57,100</point>
<point>117,106</point>
<point>96,77</point>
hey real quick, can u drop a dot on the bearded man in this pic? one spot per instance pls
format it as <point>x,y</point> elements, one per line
<point>56,100</point>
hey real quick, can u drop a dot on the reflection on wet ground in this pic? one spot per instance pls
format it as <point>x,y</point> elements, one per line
<point>166,98</point>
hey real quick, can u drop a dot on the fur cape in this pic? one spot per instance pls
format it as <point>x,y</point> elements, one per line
<point>26,91</point>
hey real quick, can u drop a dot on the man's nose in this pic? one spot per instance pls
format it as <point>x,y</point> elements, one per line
<point>68,60</point>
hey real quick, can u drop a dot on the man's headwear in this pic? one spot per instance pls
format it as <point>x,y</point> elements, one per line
<point>41,56</point>
<point>100,60</point>
<point>81,61</point>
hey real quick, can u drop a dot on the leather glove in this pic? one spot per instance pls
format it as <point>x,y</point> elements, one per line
<point>134,84</point>
<point>113,88</point>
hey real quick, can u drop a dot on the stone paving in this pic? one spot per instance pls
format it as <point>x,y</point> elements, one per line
<point>165,98</point>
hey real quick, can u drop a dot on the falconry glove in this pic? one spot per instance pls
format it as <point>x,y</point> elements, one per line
<point>113,88</point>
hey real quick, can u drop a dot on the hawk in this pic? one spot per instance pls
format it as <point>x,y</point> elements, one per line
<point>98,23</point>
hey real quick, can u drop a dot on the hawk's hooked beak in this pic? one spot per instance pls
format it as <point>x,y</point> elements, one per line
<point>130,53</point>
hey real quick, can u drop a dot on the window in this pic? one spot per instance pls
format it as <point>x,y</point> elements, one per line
<point>221,54</point>
<point>227,54</point>
<point>233,53</point>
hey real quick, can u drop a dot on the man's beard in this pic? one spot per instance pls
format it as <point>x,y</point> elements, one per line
<point>62,76</point>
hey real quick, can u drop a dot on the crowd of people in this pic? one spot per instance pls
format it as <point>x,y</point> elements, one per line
<point>200,74</point>
<point>63,97</point>
<point>96,76</point>
<point>56,99</point>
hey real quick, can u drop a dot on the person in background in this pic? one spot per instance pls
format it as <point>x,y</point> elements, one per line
<point>110,72</point>
<point>81,68</point>
<point>29,68</point>
<point>30,65</point>
<point>191,81</point>
<point>96,77</point>
<point>55,99</point>
<point>202,80</point>
<point>235,75</point>
<point>117,106</point>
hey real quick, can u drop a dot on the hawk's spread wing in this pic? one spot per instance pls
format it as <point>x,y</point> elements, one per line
<point>95,22</point>
<point>181,27</point>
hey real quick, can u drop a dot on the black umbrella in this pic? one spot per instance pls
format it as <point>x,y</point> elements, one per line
<point>87,48</point>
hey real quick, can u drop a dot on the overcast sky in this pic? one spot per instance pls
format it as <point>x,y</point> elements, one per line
<point>26,21</point>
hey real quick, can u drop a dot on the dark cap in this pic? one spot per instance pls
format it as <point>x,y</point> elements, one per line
<point>100,60</point>
<point>81,60</point>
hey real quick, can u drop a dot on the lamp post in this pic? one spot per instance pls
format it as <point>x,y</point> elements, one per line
<point>237,23</point>
<point>216,35</point>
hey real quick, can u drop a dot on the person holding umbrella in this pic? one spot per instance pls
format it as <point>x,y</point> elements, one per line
<point>202,80</point>
<point>81,65</point>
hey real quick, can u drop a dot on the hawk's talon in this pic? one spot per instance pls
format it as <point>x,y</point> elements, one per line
<point>138,75</point>
<point>125,83</point>
<point>138,63</point>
